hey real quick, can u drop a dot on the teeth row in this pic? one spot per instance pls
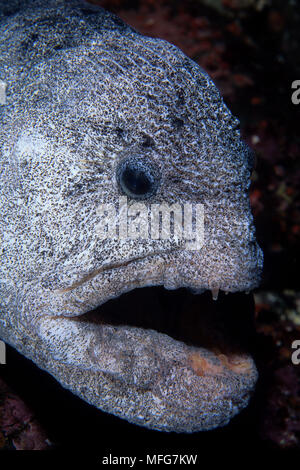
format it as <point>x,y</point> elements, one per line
<point>215,292</point>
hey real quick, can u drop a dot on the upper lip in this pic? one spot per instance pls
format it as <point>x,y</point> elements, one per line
<point>106,267</point>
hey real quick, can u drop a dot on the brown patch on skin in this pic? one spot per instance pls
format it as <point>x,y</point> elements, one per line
<point>202,366</point>
<point>238,364</point>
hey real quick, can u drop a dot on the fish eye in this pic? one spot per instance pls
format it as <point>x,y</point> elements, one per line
<point>138,179</point>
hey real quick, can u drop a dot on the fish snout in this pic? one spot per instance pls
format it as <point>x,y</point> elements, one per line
<point>216,268</point>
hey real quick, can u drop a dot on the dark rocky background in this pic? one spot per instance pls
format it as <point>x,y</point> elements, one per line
<point>251,50</point>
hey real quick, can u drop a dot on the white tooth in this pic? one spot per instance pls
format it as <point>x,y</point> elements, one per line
<point>215,293</point>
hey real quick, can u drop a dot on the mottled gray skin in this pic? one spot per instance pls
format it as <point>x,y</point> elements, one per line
<point>84,91</point>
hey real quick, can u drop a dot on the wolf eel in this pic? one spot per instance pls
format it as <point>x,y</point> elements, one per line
<point>94,112</point>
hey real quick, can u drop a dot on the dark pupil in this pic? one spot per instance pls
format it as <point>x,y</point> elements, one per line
<point>136,181</point>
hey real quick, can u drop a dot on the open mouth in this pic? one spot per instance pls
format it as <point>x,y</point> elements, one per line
<point>167,360</point>
<point>196,320</point>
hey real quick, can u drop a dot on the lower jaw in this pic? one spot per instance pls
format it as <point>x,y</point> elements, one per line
<point>169,361</point>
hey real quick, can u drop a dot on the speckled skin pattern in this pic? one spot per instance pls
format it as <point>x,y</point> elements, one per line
<point>85,91</point>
